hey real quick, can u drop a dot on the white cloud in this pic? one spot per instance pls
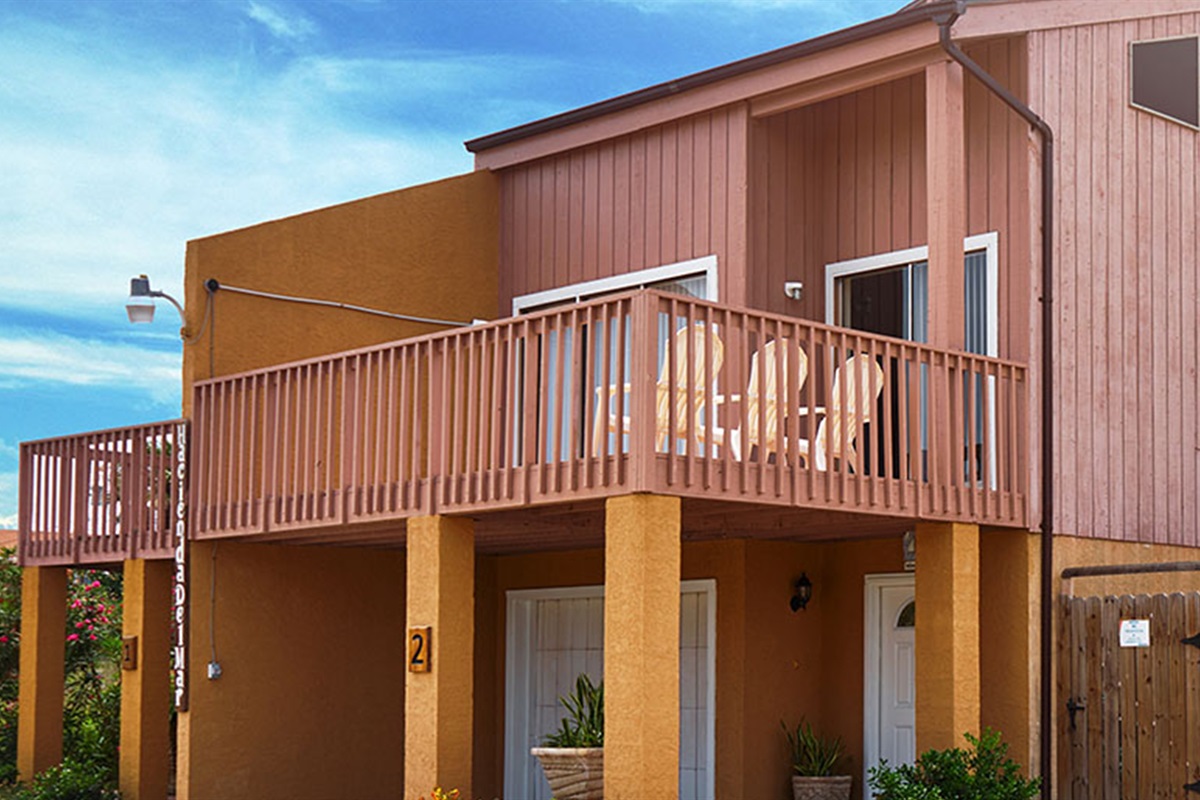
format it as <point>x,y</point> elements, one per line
<point>27,358</point>
<point>294,27</point>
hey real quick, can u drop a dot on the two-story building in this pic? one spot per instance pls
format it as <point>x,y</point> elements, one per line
<point>754,341</point>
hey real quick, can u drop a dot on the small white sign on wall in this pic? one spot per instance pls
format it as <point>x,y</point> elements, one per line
<point>1135,633</point>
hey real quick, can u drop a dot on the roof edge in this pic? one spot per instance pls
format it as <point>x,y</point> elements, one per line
<point>900,19</point>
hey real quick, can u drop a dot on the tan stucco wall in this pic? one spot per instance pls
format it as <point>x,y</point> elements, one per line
<point>311,701</point>
<point>1072,551</point>
<point>772,664</point>
<point>429,251</point>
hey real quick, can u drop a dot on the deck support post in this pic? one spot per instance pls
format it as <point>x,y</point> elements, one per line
<point>1010,574</point>
<point>439,702</point>
<point>145,685</point>
<point>947,679</point>
<point>642,563</point>
<point>43,643</point>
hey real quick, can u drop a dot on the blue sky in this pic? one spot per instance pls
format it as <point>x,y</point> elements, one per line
<point>129,127</point>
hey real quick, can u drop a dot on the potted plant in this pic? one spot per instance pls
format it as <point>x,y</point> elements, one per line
<point>815,760</point>
<point>573,756</point>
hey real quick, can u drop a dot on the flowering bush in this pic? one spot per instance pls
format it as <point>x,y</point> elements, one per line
<point>92,705</point>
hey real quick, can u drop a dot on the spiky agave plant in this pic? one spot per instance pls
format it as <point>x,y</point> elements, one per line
<point>583,726</point>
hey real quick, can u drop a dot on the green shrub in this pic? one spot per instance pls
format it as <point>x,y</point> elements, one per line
<point>985,772</point>
<point>70,780</point>
<point>92,705</point>
<point>584,724</point>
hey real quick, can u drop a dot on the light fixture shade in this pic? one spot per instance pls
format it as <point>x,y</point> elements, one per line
<point>140,309</point>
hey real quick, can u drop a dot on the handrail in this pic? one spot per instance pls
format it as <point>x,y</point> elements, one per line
<point>603,397</point>
<point>101,496</point>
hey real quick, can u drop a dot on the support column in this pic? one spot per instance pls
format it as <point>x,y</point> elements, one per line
<point>1010,571</point>
<point>145,690</point>
<point>946,201</point>
<point>43,651</point>
<point>641,647</point>
<point>947,680</point>
<point>439,703</point>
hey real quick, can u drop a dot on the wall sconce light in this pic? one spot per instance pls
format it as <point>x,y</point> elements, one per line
<point>803,592</point>
<point>140,306</point>
<point>793,289</point>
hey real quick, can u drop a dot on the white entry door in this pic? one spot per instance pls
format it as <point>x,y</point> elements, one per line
<point>555,634</point>
<point>889,726</point>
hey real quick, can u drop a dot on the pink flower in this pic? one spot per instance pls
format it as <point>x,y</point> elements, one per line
<point>79,624</point>
<point>95,584</point>
<point>3,639</point>
<point>92,637</point>
<point>92,628</point>
<point>74,637</point>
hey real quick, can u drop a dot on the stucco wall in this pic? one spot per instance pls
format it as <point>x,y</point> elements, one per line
<point>429,251</point>
<point>311,700</point>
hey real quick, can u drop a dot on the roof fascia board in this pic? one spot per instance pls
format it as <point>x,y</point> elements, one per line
<point>861,55</point>
<point>1006,18</point>
<point>845,82</point>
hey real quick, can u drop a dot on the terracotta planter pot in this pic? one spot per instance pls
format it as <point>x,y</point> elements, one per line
<point>836,787</point>
<point>573,773</point>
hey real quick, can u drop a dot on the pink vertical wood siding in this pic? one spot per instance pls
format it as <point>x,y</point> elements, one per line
<point>1126,255</point>
<point>845,178</point>
<point>666,194</point>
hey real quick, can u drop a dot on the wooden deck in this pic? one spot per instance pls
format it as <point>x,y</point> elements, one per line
<point>598,399</point>
<point>103,496</point>
<point>545,415</point>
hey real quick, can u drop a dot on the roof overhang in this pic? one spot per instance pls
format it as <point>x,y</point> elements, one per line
<point>846,60</point>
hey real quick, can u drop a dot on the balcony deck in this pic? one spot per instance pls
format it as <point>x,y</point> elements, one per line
<point>103,496</point>
<point>572,405</point>
<point>527,424</point>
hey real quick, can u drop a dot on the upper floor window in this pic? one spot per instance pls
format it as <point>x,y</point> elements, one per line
<point>889,294</point>
<point>1164,78</point>
<point>695,278</point>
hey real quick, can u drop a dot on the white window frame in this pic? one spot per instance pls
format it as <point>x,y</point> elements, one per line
<point>988,242</point>
<point>705,265</point>
<point>517,673</point>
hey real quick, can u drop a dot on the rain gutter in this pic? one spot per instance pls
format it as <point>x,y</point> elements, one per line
<point>945,21</point>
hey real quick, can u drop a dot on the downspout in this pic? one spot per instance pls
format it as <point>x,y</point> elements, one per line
<point>945,22</point>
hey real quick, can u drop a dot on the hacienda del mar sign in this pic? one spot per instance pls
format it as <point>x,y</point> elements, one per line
<point>181,574</point>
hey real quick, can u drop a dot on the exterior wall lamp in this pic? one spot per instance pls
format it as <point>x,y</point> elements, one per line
<point>803,592</point>
<point>140,305</point>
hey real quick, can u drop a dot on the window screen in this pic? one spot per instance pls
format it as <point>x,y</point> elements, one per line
<point>1163,78</point>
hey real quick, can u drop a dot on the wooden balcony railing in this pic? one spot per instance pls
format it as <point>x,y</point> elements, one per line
<point>638,392</point>
<point>103,496</point>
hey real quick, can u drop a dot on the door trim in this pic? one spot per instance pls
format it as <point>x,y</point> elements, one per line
<point>873,605</point>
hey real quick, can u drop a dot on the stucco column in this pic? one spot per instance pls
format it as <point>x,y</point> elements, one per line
<point>43,651</point>
<point>1010,579</point>
<point>439,703</point>
<point>641,647</point>
<point>145,690</point>
<point>947,680</point>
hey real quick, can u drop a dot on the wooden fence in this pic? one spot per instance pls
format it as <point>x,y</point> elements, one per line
<point>1129,716</point>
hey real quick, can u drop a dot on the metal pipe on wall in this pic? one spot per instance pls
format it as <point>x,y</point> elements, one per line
<point>945,22</point>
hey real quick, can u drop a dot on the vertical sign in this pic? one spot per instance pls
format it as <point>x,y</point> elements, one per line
<point>181,571</point>
<point>419,649</point>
